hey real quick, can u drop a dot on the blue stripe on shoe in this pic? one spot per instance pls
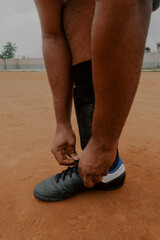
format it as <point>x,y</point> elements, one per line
<point>118,171</point>
<point>117,167</point>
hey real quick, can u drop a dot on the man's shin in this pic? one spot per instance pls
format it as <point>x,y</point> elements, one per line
<point>84,101</point>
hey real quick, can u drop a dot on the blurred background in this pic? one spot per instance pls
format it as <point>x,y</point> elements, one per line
<point>20,26</point>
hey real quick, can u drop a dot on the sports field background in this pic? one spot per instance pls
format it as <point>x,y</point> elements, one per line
<point>27,128</point>
<point>151,60</point>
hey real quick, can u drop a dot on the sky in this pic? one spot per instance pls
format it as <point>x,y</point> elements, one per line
<point>19,23</point>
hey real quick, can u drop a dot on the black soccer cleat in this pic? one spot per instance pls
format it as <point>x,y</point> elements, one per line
<point>68,183</point>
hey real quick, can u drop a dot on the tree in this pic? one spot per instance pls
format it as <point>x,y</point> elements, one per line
<point>9,50</point>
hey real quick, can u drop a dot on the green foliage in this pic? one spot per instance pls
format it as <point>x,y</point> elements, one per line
<point>9,51</point>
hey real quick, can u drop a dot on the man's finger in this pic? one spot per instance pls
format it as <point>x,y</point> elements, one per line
<point>64,159</point>
<point>81,174</point>
<point>98,179</point>
<point>68,162</point>
<point>72,153</point>
<point>88,182</point>
<point>91,181</point>
<point>75,156</point>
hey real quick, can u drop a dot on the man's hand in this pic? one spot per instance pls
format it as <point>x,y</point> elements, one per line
<point>95,162</point>
<point>63,147</point>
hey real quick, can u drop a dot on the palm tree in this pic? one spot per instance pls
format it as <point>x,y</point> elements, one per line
<point>9,50</point>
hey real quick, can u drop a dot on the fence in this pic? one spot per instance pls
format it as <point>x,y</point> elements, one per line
<point>151,61</point>
<point>28,63</point>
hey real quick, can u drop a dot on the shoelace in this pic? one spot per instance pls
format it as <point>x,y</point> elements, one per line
<point>66,172</point>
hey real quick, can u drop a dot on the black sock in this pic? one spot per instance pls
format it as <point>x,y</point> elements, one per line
<point>82,74</point>
<point>84,102</point>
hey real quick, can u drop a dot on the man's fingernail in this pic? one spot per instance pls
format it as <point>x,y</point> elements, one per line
<point>76,157</point>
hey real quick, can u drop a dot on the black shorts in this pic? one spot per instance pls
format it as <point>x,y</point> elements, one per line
<point>156,4</point>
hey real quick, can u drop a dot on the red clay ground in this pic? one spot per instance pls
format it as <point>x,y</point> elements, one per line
<point>27,128</point>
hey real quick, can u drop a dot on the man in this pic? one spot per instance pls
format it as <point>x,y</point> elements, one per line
<point>106,32</point>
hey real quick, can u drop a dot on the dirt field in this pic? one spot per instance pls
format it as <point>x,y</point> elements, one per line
<point>27,128</point>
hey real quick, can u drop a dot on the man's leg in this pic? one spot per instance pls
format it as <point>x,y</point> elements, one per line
<point>84,99</point>
<point>117,45</point>
<point>77,20</point>
<point>69,182</point>
<point>84,102</point>
<point>81,70</point>
<point>118,38</point>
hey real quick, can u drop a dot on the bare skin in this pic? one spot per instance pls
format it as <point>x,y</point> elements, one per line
<point>63,147</point>
<point>105,30</point>
<point>78,34</point>
<point>58,64</point>
<point>116,31</point>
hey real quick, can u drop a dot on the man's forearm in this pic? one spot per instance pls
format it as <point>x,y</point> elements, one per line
<point>57,57</point>
<point>58,65</point>
<point>118,41</point>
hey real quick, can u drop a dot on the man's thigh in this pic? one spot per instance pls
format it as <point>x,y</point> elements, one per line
<point>78,16</point>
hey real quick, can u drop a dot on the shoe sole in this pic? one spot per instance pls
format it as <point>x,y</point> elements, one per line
<point>46,199</point>
<point>112,185</point>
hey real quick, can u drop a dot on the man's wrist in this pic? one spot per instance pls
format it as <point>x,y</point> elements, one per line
<point>64,124</point>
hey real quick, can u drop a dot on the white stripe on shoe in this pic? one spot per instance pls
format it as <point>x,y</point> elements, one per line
<point>111,176</point>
